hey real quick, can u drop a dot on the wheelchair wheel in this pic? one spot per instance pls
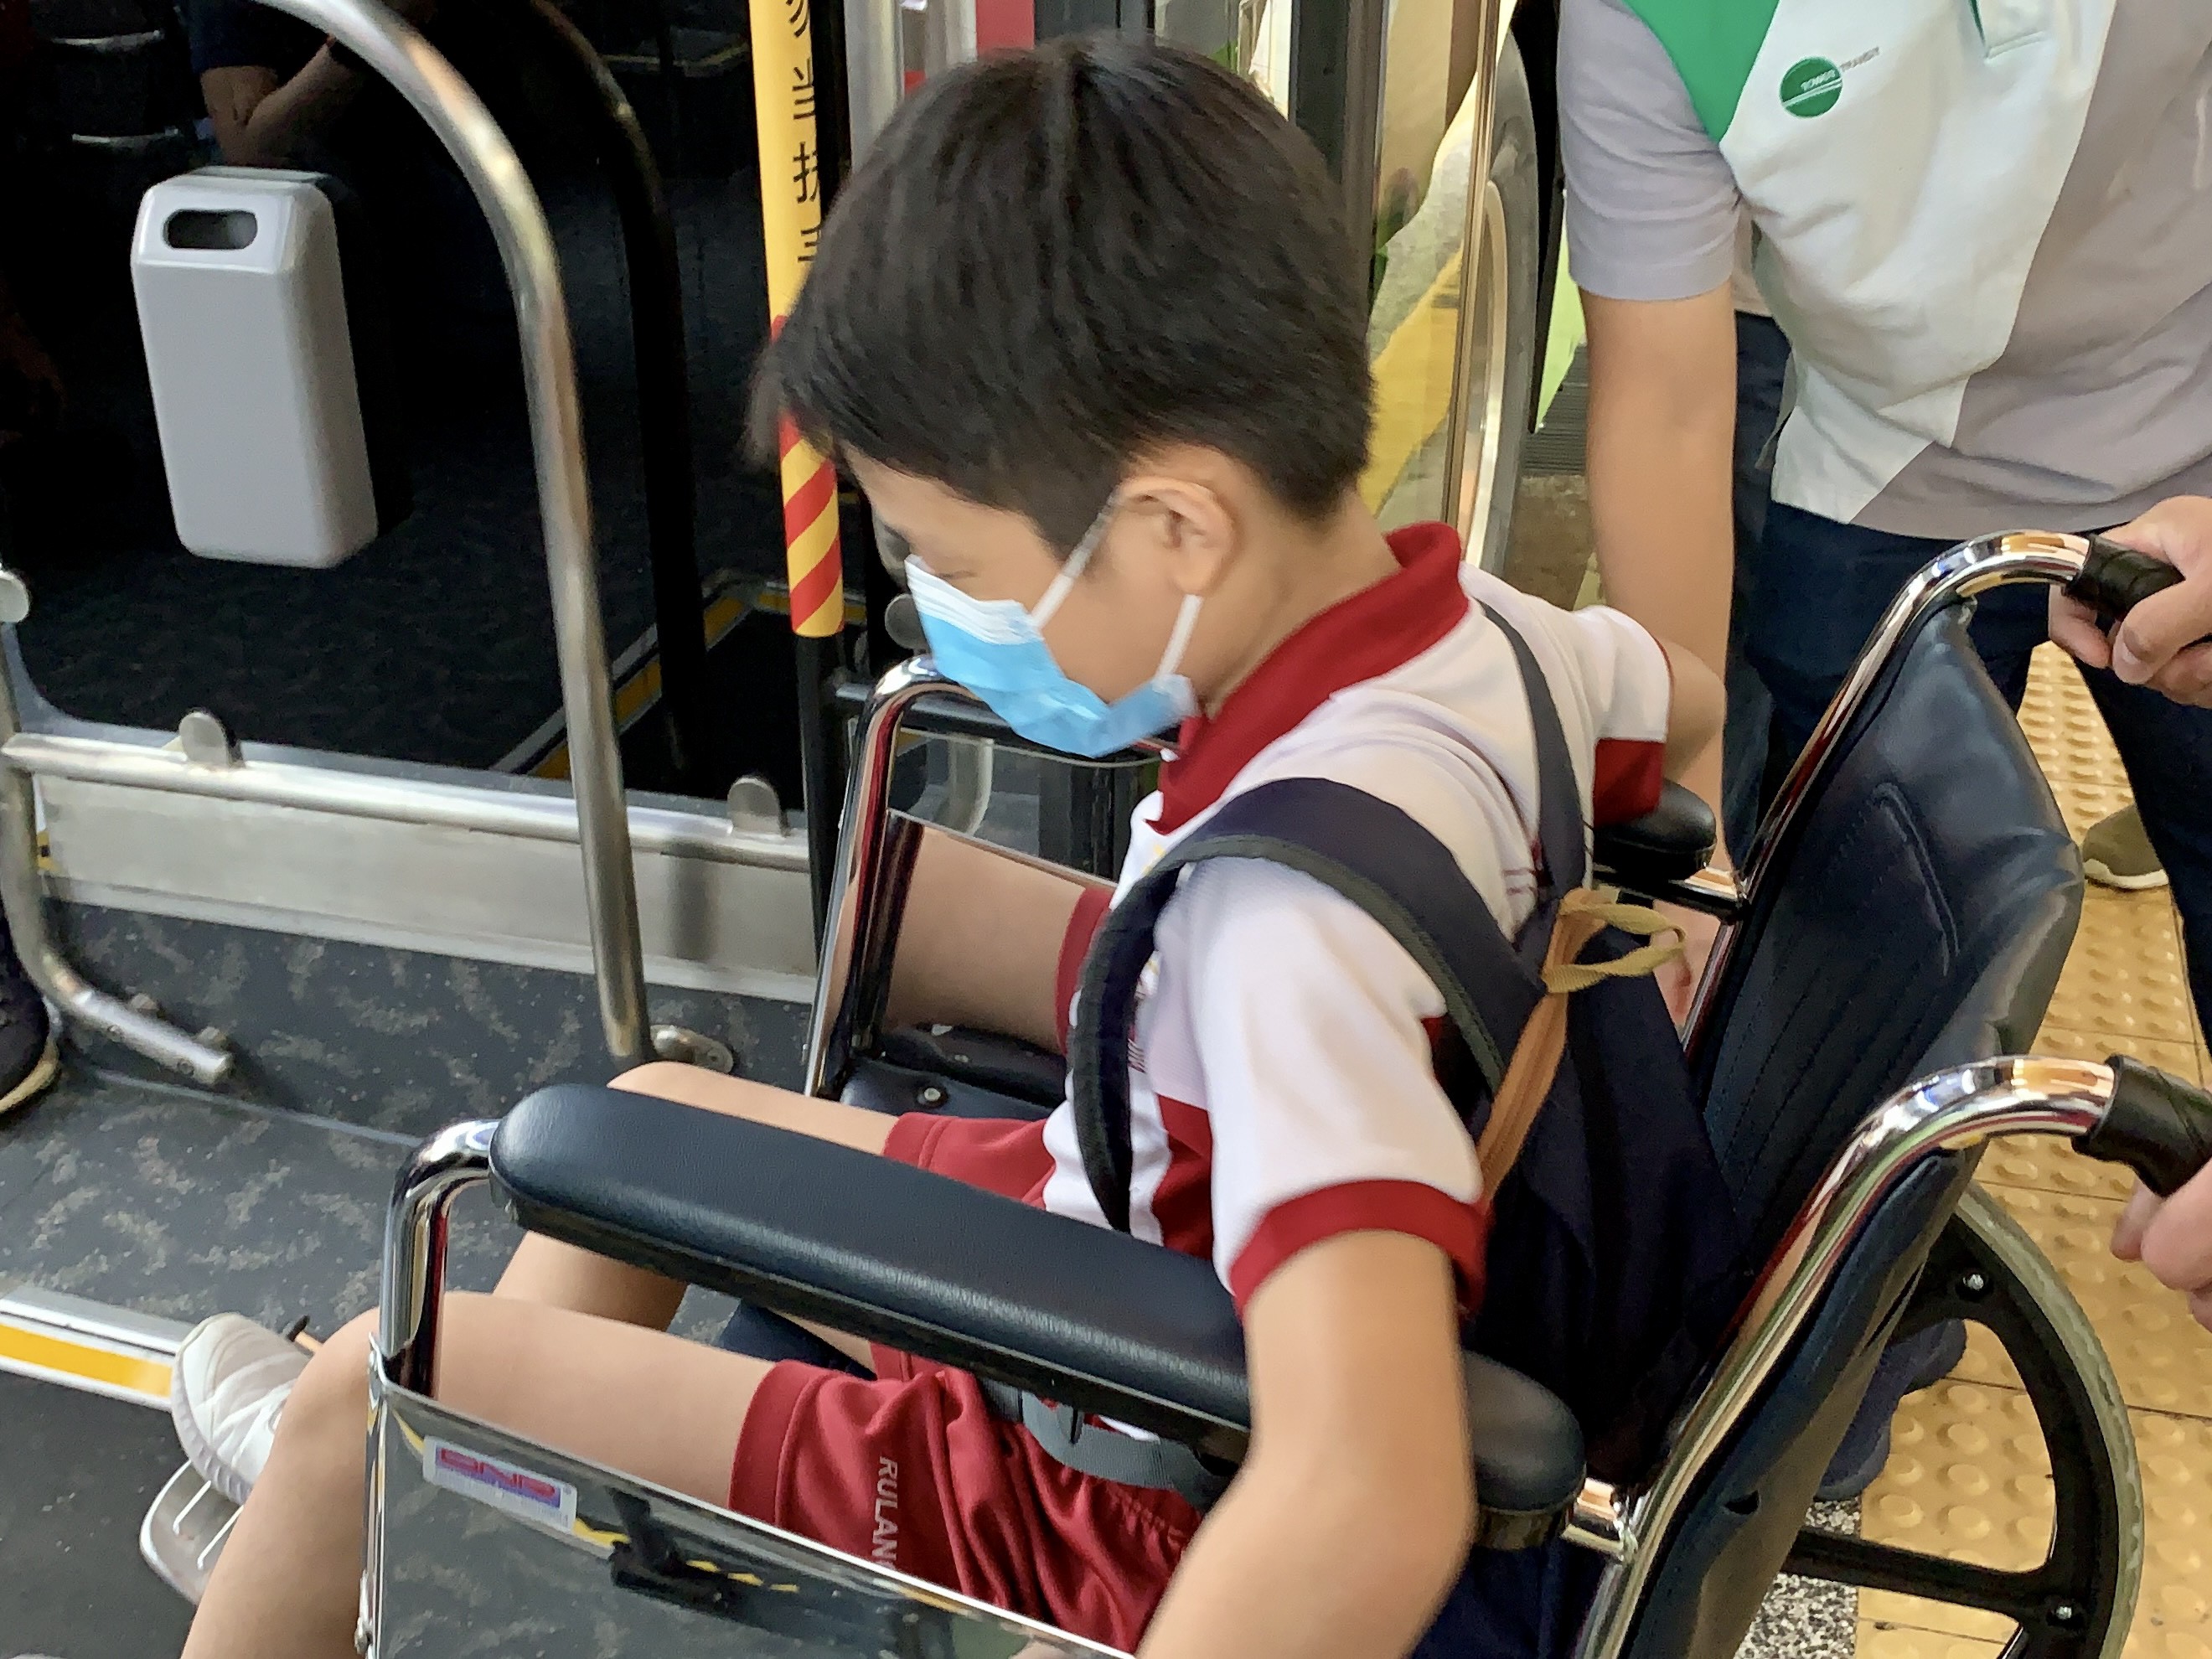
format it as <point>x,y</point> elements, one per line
<point>2079,1602</point>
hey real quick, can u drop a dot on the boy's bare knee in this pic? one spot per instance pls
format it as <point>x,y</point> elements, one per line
<point>330,1400</point>
<point>670,1079</point>
<point>759,1103</point>
<point>341,1365</point>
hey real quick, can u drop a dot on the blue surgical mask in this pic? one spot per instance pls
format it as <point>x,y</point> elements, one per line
<point>997,650</point>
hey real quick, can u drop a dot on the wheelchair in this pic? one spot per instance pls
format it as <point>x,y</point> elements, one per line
<point>1904,916</point>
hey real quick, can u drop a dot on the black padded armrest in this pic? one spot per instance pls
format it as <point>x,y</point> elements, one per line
<point>1671,842</point>
<point>1078,1314</point>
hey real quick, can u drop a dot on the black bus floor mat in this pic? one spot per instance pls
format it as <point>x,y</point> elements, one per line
<point>77,1470</point>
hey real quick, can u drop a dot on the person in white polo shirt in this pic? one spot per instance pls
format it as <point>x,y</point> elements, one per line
<point>1986,228</point>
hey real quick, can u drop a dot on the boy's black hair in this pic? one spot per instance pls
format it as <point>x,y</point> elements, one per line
<point>1054,260</point>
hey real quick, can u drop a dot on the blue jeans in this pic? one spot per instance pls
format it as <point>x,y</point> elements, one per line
<point>1822,586</point>
<point>1762,364</point>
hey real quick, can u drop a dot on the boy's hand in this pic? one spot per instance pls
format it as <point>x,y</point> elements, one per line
<point>1351,1515</point>
<point>2158,644</point>
<point>1678,979</point>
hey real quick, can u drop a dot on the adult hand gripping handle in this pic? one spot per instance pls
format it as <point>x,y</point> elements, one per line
<point>2157,1125</point>
<point>2115,580</point>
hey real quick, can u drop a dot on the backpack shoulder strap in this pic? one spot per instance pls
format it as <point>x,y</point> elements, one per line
<point>1559,830</point>
<point>1378,857</point>
<point>1370,852</point>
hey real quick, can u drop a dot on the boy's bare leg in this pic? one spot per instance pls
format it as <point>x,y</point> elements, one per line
<point>643,1401</point>
<point>981,946</point>
<point>979,942</point>
<point>546,1271</point>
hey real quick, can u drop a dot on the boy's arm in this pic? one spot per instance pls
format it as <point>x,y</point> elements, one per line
<point>983,938</point>
<point>1661,432</point>
<point>1351,1515</point>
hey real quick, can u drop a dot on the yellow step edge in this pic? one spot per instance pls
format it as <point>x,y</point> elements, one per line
<point>36,1353</point>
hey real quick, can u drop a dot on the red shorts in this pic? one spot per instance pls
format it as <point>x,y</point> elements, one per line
<point>910,1468</point>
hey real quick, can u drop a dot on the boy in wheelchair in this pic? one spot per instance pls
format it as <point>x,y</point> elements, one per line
<point>1088,328</point>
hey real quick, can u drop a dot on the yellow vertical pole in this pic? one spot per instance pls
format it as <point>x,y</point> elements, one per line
<point>791,222</point>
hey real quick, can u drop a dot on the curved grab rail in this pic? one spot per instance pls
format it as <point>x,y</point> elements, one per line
<point>664,413</point>
<point>452,110</point>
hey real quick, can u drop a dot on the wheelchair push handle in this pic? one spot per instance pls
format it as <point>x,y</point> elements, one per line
<point>2157,1125</point>
<point>2115,580</point>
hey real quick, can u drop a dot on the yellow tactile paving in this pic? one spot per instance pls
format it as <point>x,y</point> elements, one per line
<point>2173,1615</point>
<point>1881,1613</point>
<point>1883,1641</point>
<point>2124,980</point>
<point>2069,738</point>
<point>1986,1360</point>
<point>1968,1476</point>
<point>2036,1164</point>
<point>2162,1357</point>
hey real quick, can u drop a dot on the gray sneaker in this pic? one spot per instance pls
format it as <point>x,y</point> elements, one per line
<point>2117,854</point>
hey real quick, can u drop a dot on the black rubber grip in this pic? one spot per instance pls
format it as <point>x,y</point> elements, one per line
<point>2157,1125</point>
<point>2115,580</point>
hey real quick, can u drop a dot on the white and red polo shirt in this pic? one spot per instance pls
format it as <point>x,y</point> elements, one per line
<point>1282,1088</point>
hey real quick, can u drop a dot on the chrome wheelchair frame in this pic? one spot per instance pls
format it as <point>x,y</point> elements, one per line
<point>672,1550</point>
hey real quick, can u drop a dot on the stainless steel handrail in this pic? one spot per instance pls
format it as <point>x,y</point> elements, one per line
<point>1951,1111</point>
<point>453,110</point>
<point>1488,25</point>
<point>23,899</point>
<point>1971,568</point>
<point>361,794</point>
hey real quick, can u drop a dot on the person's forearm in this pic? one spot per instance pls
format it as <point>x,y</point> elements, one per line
<point>299,110</point>
<point>1294,1570</point>
<point>1661,446</point>
<point>1694,711</point>
<point>980,940</point>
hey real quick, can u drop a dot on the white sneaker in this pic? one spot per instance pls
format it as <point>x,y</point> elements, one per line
<point>231,1380</point>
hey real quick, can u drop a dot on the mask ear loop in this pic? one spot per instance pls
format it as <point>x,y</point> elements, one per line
<point>1185,620</point>
<point>1076,562</point>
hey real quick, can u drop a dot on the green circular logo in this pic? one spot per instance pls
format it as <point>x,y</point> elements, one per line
<point>1811,86</point>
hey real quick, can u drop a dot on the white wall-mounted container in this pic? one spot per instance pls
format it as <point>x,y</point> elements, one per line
<point>241,303</point>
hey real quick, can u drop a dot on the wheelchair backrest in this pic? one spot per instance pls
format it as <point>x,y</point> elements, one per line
<point>1915,916</point>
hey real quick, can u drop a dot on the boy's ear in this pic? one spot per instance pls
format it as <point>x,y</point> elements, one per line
<point>1192,527</point>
